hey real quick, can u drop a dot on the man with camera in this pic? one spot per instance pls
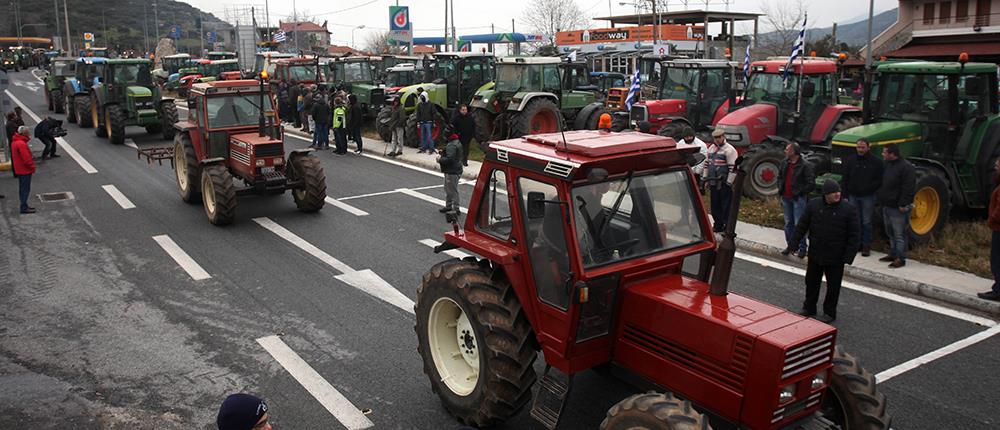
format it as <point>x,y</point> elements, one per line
<point>47,131</point>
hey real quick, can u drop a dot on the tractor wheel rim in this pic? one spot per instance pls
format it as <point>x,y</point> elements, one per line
<point>179,162</point>
<point>833,408</point>
<point>543,122</point>
<point>765,175</point>
<point>209,194</point>
<point>107,122</point>
<point>93,115</point>
<point>300,194</point>
<point>926,208</point>
<point>454,347</point>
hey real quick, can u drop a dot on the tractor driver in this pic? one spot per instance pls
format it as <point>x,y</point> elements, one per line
<point>590,215</point>
<point>229,114</point>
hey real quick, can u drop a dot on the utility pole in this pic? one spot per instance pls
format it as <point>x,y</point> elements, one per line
<point>69,39</point>
<point>201,30</point>
<point>156,23</point>
<point>868,49</point>
<point>267,22</point>
<point>145,28</point>
<point>295,27</point>
<point>454,35</point>
<point>656,31</point>
<point>104,32</point>
<point>444,46</point>
<point>55,4</point>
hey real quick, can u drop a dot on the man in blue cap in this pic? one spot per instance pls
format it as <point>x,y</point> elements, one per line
<point>243,412</point>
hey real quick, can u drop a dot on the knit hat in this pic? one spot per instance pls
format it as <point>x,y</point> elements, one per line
<point>453,136</point>
<point>240,412</point>
<point>830,186</point>
<point>604,122</point>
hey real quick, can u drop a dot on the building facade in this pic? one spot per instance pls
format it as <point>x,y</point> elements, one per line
<point>941,30</point>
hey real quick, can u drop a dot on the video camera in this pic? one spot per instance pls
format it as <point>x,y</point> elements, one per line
<point>57,129</point>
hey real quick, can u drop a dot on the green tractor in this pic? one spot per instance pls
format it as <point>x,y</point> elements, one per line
<point>76,89</point>
<point>127,96</point>
<point>221,55</point>
<point>169,65</point>
<point>357,76</point>
<point>944,118</point>
<point>60,68</point>
<point>535,95</point>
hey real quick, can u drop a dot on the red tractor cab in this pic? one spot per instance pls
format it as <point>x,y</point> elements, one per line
<point>776,108</point>
<point>297,71</point>
<point>189,75</point>
<point>582,242</point>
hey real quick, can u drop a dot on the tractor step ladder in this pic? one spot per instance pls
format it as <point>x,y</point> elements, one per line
<point>553,390</point>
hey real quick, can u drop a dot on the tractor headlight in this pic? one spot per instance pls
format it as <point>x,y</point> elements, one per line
<point>787,394</point>
<point>279,161</point>
<point>818,381</point>
<point>260,162</point>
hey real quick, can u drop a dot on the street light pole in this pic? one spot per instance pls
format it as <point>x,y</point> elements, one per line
<point>868,52</point>
<point>353,46</point>
<point>55,4</point>
<point>156,24</point>
<point>69,39</point>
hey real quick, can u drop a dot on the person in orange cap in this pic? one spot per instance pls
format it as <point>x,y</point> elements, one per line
<point>604,122</point>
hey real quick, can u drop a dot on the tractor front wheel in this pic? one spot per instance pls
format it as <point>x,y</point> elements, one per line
<point>540,116</point>
<point>382,125</point>
<point>115,120</point>
<point>654,411</point>
<point>70,109</point>
<point>763,161</point>
<point>485,123</point>
<point>48,100</point>
<point>97,118</point>
<point>312,195</point>
<point>931,205</point>
<point>58,101</point>
<point>84,115</point>
<point>168,117</point>
<point>186,168</point>
<point>475,341</point>
<point>218,194</point>
<point>852,401</point>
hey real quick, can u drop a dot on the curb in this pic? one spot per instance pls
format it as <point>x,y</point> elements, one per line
<point>883,280</point>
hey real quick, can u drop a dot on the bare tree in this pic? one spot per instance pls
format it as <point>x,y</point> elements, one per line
<point>782,20</point>
<point>551,16</point>
<point>381,43</point>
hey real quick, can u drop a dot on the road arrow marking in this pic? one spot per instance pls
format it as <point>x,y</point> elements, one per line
<point>426,198</point>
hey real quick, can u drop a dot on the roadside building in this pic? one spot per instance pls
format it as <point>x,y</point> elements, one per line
<point>940,30</point>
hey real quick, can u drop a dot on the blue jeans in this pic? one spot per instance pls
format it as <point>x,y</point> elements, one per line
<point>426,137</point>
<point>897,228</point>
<point>995,260</point>
<point>722,199</point>
<point>793,209</point>
<point>866,208</point>
<point>321,136</point>
<point>24,190</point>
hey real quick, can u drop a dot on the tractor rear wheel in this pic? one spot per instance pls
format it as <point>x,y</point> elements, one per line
<point>187,169</point>
<point>70,109</point>
<point>218,194</point>
<point>763,161</point>
<point>58,101</point>
<point>485,123</point>
<point>595,117</point>
<point>382,124</point>
<point>411,135</point>
<point>540,116</point>
<point>48,100</point>
<point>115,120</point>
<point>852,401</point>
<point>97,119</point>
<point>168,117</point>
<point>312,195</point>
<point>654,411</point>
<point>671,130</point>
<point>931,205</point>
<point>475,341</point>
<point>83,111</point>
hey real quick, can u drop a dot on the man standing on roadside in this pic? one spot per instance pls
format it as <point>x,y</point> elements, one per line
<point>321,123</point>
<point>994,223</point>
<point>451,165</point>
<point>24,166</point>
<point>425,120</point>
<point>398,124</point>
<point>832,226</point>
<point>795,181</point>
<point>466,129</point>
<point>862,177</point>
<point>895,195</point>
<point>339,126</point>
<point>719,173</point>
<point>688,136</point>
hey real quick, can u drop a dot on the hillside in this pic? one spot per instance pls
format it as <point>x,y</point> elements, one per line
<point>854,34</point>
<point>124,20</point>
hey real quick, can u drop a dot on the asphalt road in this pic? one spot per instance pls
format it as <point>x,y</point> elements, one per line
<point>101,328</point>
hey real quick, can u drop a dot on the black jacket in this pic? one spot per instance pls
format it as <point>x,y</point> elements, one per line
<point>426,112</point>
<point>899,183</point>
<point>803,181</point>
<point>398,118</point>
<point>11,128</point>
<point>44,128</point>
<point>834,231</point>
<point>321,113</point>
<point>451,160</point>
<point>465,126</point>
<point>355,116</point>
<point>862,175</point>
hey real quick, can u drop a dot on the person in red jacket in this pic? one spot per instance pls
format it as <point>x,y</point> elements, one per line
<point>994,223</point>
<point>24,165</point>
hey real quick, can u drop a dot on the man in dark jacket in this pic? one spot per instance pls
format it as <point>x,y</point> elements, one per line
<point>426,113</point>
<point>835,234</point>
<point>355,119</point>
<point>895,195</point>
<point>321,118</point>
<point>795,181</point>
<point>397,123</point>
<point>45,131</point>
<point>451,165</point>
<point>466,129</point>
<point>861,179</point>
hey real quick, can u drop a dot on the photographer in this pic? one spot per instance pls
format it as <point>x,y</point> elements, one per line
<point>47,131</point>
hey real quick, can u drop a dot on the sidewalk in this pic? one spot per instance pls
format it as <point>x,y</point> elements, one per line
<point>939,283</point>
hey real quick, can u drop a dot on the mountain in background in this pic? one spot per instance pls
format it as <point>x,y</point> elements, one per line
<point>853,34</point>
<point>124,20</point>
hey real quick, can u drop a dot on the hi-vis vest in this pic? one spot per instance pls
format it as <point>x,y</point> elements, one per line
<point>339,117</point>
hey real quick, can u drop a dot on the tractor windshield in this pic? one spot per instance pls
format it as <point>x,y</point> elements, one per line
<point>235,110</point>
<point>770,87</point>
<point>922,98</point>
<point>401,78</point>
<point>512,78</point>
<point>302,73</point>
<point>679,84</point>
<point>63,68</point>
<point>356,71</point>
<point>127,74</point>
<point>635,216</point>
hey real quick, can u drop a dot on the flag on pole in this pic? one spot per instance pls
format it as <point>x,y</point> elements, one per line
<point>796,49</point>
<point>279,36</point>
<point>633,91</point>
<point>572,56</point>
<point>746,64</point>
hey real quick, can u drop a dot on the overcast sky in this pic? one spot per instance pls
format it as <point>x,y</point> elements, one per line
<point>476,16</point>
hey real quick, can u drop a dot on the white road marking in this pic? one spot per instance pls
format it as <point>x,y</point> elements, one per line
<point>426,198</point>
<point>39,78</point>
<point>31,86</point>
<point>382,159</point>
<point>350,209</point>
<point>131,143</point>
<point>328,396</point>
<point>87,167</point>
<point>986,322</point>
<point>382,193</point>
<point>452,252</point>
<point>120,198</point>
<point>899,369</point>
<point>182,258</point>
<point>364,280</point>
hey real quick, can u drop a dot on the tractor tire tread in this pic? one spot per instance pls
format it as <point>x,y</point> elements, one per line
<point>520,124</point>
<point>382,124</point>
<point>865,401</point>
<point>315,183</point>
<point>118,120</point>
<point>193,168</point>
<point>750,158</point>
<point>225,194</point>
<point>654,411</point>
<point>168,117</point>
<point>70,109</point>
<point>58,101</point>
<point>84,120</point>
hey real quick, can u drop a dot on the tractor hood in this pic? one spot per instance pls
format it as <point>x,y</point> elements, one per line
<point>137,91</point>
<point>881,133</point>
<point>665,108</point>
<point>750,124</point>
<point>487,99</point>
<point>363,87</point>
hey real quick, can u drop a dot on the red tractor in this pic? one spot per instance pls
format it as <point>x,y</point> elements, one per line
<point>775,109</point>
<point>583,240</point>
<point>297,71</point>
<point>232,145</point>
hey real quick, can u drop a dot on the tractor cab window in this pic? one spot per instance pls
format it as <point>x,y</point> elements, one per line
<point>550,78</point>
<point>973,100</point>
<point>234,111</point>
<point>679,84</point>
<point>302,73</point>
<point>574,77</point>
<point>63,68</point>
<point>635,216</point>
<point>358,71</point>
<point>494,210</point>
<point>545,238</point>
<point>513,78</point>
<point>770,87</point>
<point>125,74</point>
<point>912,97</point>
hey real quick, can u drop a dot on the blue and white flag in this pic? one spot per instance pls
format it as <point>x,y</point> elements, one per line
<point>633,91</point>
<point>746,64</point>
<point>796,49</point>
<point>279,36</point>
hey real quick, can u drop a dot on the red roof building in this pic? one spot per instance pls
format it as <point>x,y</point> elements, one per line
<point>310,34</point>
<point>343,51</point>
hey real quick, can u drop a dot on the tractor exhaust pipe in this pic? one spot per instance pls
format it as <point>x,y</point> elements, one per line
<point>726,252</point>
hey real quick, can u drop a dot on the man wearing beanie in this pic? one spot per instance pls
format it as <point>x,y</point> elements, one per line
<point>835,234</point>
<point>451,165</point>
<point>243,412</point>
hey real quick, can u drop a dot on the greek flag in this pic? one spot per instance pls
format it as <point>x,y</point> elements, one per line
<point>796,49</point>
<point>746,64</point>
<point>279,36</point>
<point>633,91</point>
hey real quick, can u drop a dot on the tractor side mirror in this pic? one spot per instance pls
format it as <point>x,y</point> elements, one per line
<point>695,159</point>
<point>536,205</point>
<point>973,85</point>
<point>191,103</point>
<point>808,89</point>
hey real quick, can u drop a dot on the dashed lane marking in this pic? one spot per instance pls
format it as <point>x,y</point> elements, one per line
<point>87,167</point>
<point>182,258</point>
<point>452,252</point>
<point>117,195</point>
<point>346,207</point>
<point>426,198</point>
<point>328,396</point>
<point>902,368</point>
